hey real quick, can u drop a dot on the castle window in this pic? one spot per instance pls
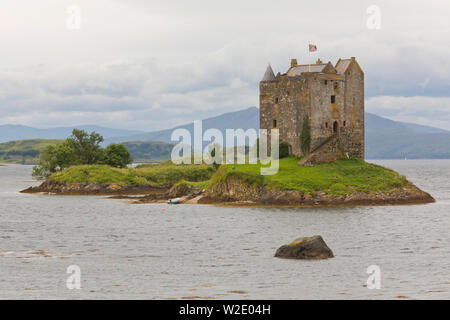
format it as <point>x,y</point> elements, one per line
<point>325,82</point>
<point>345,123</point>
<point>333,99</point>
<point>326,124</point>
<point>335,126</point>
<point>274,123</point>
<point>276,100</point>
<point>336,84</point>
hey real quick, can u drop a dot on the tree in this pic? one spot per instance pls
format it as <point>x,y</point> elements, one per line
<point>86,146</point>
<point>117,155</point>
<point>305,137</point>
<point>54,158</point>
<point>80,148</point>
<point>212,151</point>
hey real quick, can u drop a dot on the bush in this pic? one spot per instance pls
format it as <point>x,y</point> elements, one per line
<point>305,136</point>
<point>283,150</point>
<point>117,155</point>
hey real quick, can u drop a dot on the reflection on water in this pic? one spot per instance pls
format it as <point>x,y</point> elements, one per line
<point>155,251</point>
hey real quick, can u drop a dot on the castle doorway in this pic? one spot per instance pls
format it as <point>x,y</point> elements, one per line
<point>335,126</point>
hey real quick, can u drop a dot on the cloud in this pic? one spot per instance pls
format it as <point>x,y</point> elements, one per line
<point>433,111</point>
<point>153,64</point>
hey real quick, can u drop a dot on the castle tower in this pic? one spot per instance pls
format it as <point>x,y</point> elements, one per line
<point>330,97</point>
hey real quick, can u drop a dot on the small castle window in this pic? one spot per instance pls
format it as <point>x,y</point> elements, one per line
<point>325,82</point>
<point>326,124</point>
<point>336,84</point>
<point>335,126</point>
<point>274,123</point>
<point>276,100</point>
<point>345,123</point>
<point>333,99</point>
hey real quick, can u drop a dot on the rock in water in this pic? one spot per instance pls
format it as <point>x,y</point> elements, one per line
<point>305,248</point>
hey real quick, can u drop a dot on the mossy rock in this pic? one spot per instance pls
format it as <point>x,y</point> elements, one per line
<point>180,189</point>
<point>305,248</point>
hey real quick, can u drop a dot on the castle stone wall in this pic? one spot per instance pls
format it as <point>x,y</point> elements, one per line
<point>285,100</point>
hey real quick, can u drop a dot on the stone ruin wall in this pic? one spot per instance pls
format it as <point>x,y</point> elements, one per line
<point>287,100</point>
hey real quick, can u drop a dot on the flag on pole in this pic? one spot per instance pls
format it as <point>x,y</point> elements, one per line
<point>312,48</point>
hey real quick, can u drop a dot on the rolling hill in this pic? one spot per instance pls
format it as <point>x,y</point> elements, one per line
<point>244,119</point>
<point>23,151</point>
<point>385,139</point>
<point>11,132</point>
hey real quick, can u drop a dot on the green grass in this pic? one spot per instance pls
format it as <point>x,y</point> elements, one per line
<point>337,178</point>
<point>24,151</point>
<point>168,173</point>
<point>98,174</point>
<point>157,174</point>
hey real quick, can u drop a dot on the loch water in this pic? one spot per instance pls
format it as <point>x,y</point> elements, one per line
<point>160,251</point>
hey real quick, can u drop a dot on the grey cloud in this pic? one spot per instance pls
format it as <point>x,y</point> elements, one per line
<point>153,64</point>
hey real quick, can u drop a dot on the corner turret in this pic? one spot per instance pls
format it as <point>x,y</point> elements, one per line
<point>268,75</point>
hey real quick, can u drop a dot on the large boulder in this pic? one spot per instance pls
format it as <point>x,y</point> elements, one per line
<point>305,248</point>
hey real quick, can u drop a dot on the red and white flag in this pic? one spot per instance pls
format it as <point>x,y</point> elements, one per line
<point>312,48</point>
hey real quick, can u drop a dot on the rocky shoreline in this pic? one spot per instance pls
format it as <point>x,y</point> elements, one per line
<point>95,189</point>
<point>235,192</point>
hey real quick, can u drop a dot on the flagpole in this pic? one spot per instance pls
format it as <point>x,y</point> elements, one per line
<point>309,51</point>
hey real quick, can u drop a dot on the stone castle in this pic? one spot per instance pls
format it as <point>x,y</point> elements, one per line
<point>330,97</point>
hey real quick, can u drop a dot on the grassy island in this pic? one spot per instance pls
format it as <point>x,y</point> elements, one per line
<point>340,177</point>
<point>344,182</point>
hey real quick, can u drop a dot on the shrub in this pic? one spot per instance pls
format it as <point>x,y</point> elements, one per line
<point>283,150</point>
<point>305,136</point>
<point>117,155</point>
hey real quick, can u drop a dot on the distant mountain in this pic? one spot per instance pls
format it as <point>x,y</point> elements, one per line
<point>244,119</point>
<point>149,151</point>
<point>385,139</point>
<point>10,132</point>
<point>28,151</point>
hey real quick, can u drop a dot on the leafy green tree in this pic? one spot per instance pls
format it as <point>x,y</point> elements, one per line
<point>53,158</point>
<point>117,155</point>
<point>80,148</point>
<point>305,136</point>
<point>86,146</point>
<point>212,150</point>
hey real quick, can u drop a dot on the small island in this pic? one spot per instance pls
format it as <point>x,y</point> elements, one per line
<point>317,111</point>
<point>343,182</point>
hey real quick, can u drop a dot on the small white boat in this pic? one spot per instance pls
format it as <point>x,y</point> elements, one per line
<point>174,201</point>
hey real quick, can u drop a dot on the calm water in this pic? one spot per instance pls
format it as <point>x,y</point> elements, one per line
<point>156,251</point>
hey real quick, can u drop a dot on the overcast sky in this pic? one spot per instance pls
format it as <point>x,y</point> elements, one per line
<point>149,65</point>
